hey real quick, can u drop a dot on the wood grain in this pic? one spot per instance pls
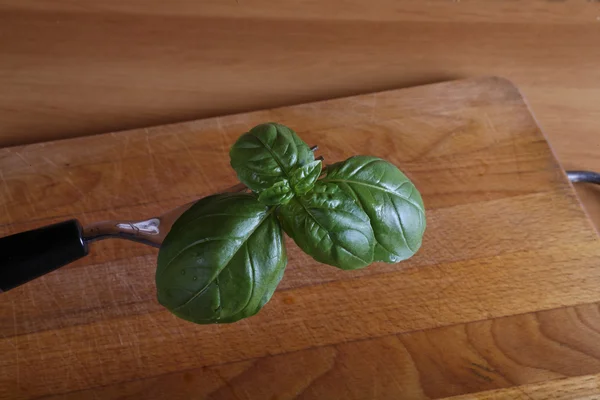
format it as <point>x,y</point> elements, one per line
<point>70,68</point>
<point>502,294</point>
<point>545,347</point>
<point>581,387</point>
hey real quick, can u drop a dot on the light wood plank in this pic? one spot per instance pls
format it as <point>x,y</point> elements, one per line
<point>580,388</point>
<point>541,353</point>
<point>506,239</point>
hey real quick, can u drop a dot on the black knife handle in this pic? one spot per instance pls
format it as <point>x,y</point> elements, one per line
<point>27,255</point>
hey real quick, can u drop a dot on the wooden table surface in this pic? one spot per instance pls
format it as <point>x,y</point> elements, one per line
<point>502,297</point>
<point>72,68</point>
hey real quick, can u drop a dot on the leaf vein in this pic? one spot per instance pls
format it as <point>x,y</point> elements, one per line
<point>349,182</point>
<point>266,215</point>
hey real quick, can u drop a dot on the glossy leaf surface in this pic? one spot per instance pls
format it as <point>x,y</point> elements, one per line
<point>329,226</point>
<point>267,154</point>
<point>389,198</point>
<point>279,193</point>
<point>303,179</point>
<point>222,260</point>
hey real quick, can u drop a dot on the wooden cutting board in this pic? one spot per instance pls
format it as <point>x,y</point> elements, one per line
<point>504,291</point>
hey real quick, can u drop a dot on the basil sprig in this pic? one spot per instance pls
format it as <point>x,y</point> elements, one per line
<point>225,256</point>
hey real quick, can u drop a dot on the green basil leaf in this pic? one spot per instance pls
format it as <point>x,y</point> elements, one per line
<point>389,198</point>
<point>303,179</point>
<point>328,225</point>
<point>267,154</point>
<point>222,260</point>
<point>279,193</point>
